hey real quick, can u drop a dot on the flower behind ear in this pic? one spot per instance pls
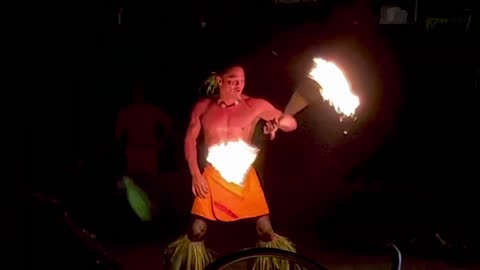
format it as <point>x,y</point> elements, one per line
<point>210,84</point>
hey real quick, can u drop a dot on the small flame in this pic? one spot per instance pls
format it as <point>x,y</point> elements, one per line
<point>232,159</point>
<point>335,87</point>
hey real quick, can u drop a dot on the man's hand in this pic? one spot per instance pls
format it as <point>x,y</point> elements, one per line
<point>270,128</point>
<point>199,186</point>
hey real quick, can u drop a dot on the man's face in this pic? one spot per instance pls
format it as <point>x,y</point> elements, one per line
<point>232,83</point>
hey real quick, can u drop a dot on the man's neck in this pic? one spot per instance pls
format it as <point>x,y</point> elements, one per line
<point>228,102</point>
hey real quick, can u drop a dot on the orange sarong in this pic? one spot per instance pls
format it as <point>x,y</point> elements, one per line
<point>228,201</point>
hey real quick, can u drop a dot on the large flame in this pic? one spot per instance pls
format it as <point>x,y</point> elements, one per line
<point>335,87</point>
<point>232,159</point>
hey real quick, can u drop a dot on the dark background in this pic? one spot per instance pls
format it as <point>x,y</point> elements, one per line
<point>406,167</point>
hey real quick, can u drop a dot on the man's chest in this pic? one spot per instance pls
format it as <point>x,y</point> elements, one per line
<point>239,117</point>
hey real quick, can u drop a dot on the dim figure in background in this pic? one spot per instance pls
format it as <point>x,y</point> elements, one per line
<point>227,119</point>
<point>143,129</point>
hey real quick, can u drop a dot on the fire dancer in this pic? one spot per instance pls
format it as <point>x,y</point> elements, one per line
<point>228,188</point>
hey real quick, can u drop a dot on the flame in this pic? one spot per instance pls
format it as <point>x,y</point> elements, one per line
<point>335,87</point>
<point>232,159</point>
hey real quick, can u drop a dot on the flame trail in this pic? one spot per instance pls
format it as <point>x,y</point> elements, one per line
<point>335,87</point>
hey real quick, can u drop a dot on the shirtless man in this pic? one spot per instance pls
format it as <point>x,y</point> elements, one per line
<point>229,117</point>
<point>137,124</point>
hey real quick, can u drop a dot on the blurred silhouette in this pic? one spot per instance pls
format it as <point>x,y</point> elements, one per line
<point>142,131</point>
<point>144,136</point>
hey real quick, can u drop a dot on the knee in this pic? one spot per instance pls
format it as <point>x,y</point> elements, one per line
<point>264,228</point>
<point>198,230</point>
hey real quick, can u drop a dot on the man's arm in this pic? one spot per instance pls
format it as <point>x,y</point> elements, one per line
<point>268,112</point>
<point>190,143</point>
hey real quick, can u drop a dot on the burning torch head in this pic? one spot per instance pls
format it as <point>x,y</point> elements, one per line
<point>335,88</point>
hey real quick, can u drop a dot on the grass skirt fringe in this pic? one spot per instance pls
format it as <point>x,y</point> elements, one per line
<point>272,263</point>
<point>184,254</point>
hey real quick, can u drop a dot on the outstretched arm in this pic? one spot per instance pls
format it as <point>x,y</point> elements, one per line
<point>268,112</point>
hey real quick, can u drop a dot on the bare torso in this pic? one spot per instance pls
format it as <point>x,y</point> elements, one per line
<point>229,124</point>
<point>139,122</point>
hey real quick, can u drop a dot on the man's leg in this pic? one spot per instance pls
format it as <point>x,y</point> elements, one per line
<point>198,229</point>
<point>264,229</point>
<point>268,238</point>
<point>189,250</point>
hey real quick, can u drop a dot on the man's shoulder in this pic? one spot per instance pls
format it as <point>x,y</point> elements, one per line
<point>202,104</point>
<point>256,102</point>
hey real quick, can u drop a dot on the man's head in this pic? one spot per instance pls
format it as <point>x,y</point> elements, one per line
<point>231,83</point>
